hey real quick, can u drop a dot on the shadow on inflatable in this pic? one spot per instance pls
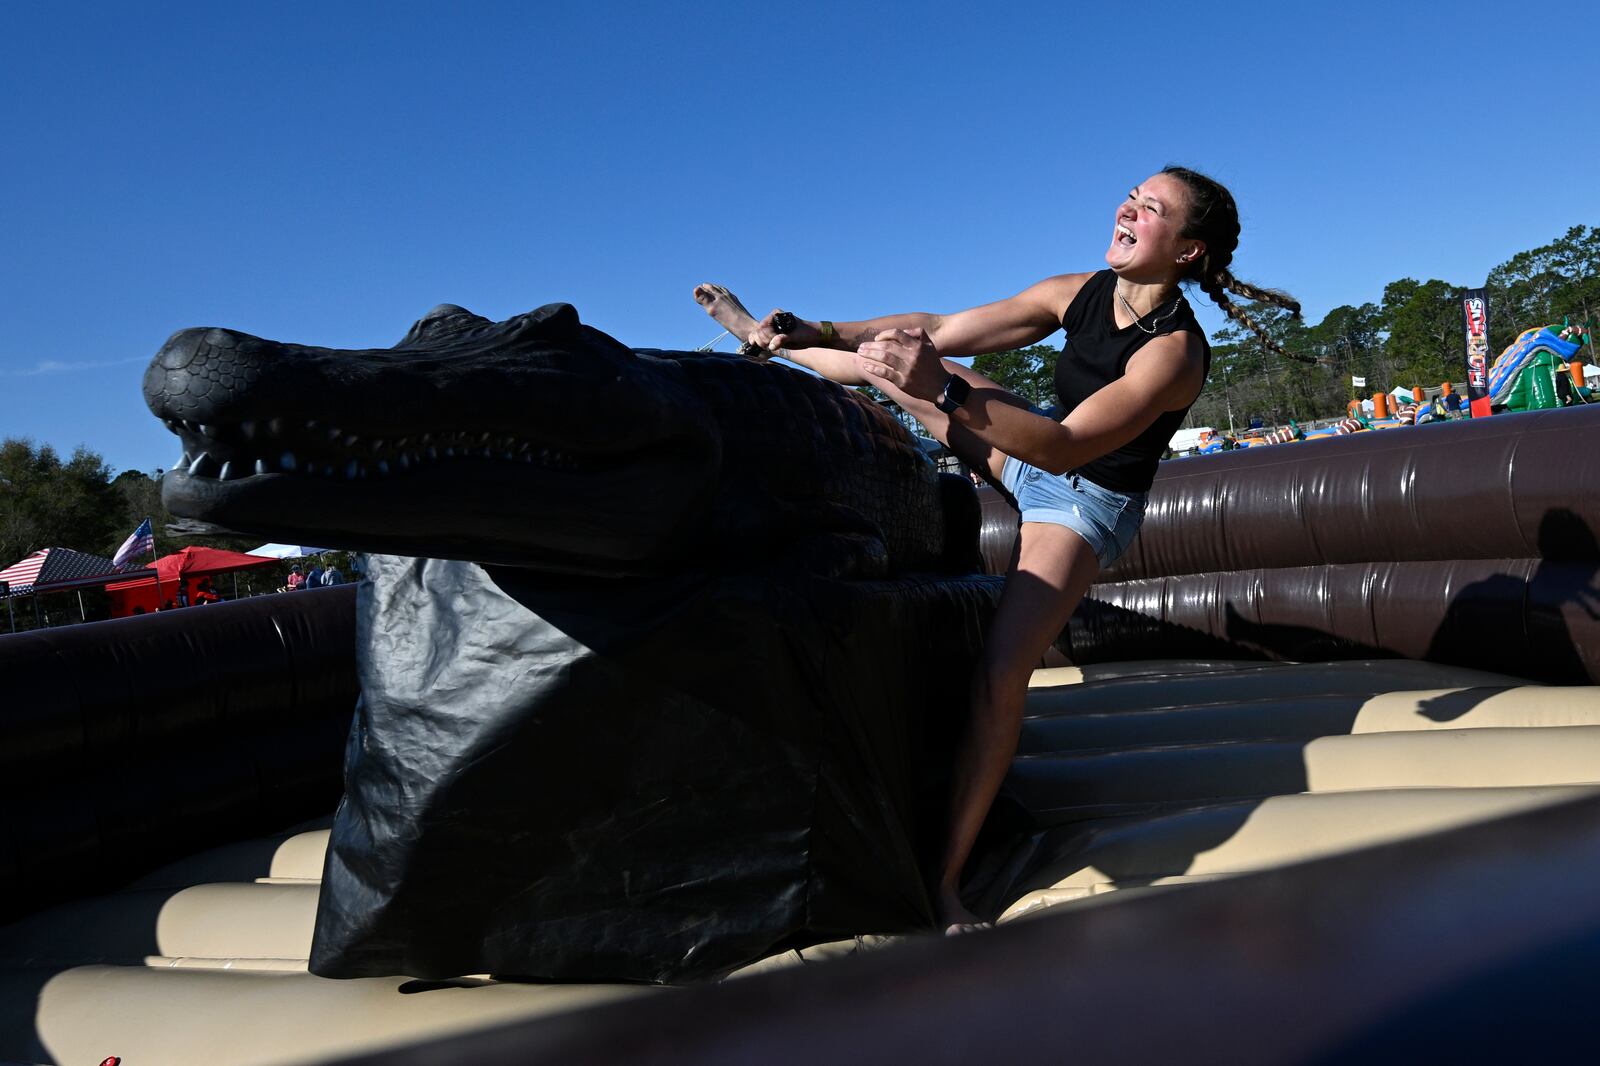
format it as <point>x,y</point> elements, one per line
<point>1310,777</point>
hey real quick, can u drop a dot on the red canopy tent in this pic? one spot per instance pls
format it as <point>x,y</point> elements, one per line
<point>179,573</point>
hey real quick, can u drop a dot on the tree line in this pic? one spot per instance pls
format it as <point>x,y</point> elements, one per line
<point>1412,336</point>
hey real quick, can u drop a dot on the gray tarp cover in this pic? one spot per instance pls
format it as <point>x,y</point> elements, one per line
<point>638,779</point>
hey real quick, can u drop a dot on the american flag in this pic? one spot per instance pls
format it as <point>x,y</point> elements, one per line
<point>139,541</point>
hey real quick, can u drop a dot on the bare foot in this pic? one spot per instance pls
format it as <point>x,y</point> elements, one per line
<point>725,307</point>
<point>953,916</point>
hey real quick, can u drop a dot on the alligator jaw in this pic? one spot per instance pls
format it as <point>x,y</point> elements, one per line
<point>534,442</point>
<point>561,512</point>
<point>247,449</point>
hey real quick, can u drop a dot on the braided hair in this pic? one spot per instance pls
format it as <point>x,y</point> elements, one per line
<point>1214,220</point>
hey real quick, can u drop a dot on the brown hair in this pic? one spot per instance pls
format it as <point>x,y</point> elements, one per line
<point>1214,220</point>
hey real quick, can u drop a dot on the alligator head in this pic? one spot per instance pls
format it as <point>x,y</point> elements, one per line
<point>536,438</point>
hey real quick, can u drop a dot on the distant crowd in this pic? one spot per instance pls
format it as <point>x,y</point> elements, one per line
<point>316,578</point>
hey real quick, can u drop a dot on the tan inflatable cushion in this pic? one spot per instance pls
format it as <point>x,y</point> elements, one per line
<point>176,1017</point>
<point>1233,838</point>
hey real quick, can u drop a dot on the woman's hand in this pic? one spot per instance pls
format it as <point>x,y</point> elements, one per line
<point>767,335</point>
<point>905,361</point>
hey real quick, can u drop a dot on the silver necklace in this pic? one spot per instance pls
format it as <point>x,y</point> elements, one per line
<point>1126,306</point>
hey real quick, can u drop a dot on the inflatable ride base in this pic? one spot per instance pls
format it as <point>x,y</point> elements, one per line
<point>1256,784</point>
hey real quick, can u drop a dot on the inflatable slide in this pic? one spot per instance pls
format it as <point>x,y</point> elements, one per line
<point>1523,377</point>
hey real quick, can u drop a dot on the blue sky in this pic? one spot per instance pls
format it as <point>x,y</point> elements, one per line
<point>326,173</point>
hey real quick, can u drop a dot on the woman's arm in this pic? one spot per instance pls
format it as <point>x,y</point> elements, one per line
<point>1023,319</point>
<point>1165,375</point>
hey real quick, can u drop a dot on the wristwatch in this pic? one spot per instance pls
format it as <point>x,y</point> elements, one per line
<point>956,391</point>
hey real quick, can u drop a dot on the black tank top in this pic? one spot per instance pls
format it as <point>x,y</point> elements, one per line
<point>1095,354</point>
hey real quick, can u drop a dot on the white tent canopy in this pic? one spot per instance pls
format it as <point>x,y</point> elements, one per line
<point>288,551</point>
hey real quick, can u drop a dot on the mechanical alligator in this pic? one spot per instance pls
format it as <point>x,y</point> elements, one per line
<point>542,442</point>
<point>664,651</point>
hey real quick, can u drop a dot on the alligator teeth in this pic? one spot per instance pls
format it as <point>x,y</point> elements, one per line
<point>171,423</point>
<point>426,438</point>
<point>487,453</point>
<point>208,431</point>
<point>248,430</point>
<point>275,426</point>
<point>183,461</point>
<point>333,434</point>
<point>203,466</point>
<point>449,453</point>
<point>350,469</point>
<point>286,461</point>
<point>261,467</point>
<point>483,438</point>
<point>229,473</point>
<point>351,441</point>
<point>382,468</point>
<point>404,461</point>
<point>401,443</point>
<point>508,455</point>
<point>524,446</point>
<point>377,446</point>
<point>311,423</point>
<point>433,453</point>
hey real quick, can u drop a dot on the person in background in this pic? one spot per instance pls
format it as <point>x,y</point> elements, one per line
<point>314,578</point>
<point>331,576</point>
<point>296,578</point>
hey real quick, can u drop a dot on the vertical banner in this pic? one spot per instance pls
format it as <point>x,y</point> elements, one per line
<point>1475,320</point>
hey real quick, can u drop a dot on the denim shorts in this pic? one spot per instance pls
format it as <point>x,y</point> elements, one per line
<point>1108,520</point>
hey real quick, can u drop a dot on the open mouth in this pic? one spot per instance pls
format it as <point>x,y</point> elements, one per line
<point>484,496</point>
<point>1125,237</point>
<point>245,449</point>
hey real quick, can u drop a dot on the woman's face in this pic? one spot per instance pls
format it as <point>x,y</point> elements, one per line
<point>1147,241</point>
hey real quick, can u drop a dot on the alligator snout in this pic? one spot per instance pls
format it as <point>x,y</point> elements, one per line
<point>200,372</point>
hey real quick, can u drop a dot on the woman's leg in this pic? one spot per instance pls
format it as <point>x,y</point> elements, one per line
<point>977,453</point>
<point>1050,572</point>
<point>726,309</point>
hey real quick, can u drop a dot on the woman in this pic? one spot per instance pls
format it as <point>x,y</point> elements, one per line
<point>1134,361</point>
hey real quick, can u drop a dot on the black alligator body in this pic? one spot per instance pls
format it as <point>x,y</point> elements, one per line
<point>662,654</point>
<point>542,442</point>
